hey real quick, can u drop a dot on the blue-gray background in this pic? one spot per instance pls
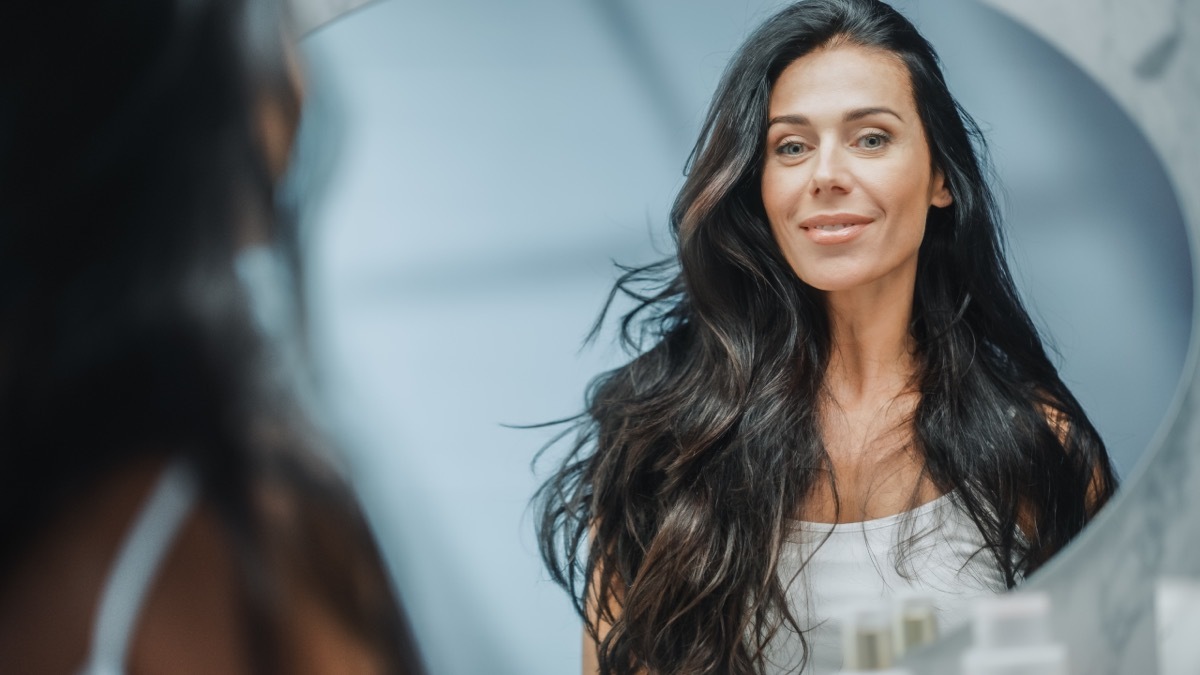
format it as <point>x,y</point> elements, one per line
<point>493,158</point>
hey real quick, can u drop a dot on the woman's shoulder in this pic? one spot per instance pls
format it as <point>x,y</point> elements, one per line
<point>310,570</point>
<point>50,590</point>
<point>331,572</point>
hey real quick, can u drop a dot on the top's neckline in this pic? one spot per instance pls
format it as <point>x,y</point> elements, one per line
<point>874,523</point>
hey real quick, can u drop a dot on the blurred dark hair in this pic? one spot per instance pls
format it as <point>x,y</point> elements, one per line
<point>693,458</point>
<point>132,167</point>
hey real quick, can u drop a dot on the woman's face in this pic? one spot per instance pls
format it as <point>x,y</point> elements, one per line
<point>847,179</point>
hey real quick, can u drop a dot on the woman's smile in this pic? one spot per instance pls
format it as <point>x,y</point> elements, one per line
<point>828,229</point>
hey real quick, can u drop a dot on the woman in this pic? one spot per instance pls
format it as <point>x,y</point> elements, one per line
<point>843,389</point>
<point>161,503</point>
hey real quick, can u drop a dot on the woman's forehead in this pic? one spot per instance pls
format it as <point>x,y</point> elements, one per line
<point>830,81</point>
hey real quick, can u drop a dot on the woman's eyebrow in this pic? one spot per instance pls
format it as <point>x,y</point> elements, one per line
<point>850,116</point>
<point>858,114</point>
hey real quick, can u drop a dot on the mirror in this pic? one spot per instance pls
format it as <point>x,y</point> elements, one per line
<point>492,158</point>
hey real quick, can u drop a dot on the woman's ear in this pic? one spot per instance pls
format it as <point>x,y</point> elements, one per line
<point>940,193</point>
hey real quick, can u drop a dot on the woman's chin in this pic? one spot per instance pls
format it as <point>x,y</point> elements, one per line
<point>847,276</point>
<point>837,282</point>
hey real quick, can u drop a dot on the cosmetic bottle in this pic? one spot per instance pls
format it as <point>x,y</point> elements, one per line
<point>914,621</point>
<point>1177,625</point>
<point>1012,637</point>
<point>867,642</point>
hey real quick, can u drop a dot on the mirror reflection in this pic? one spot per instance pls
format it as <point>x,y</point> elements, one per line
<point>839,397</point>
<point>549,142</point>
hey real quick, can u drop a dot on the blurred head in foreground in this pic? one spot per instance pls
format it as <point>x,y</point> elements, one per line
<point>140,146</point>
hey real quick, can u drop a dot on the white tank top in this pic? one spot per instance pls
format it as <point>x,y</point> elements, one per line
<point>853,562</point>
<point>136,567</point>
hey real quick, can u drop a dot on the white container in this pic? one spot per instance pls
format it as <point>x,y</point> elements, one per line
<point>1021,620</point>
<point>1050,659</point>
<point>1013,637</point>
<point>1177,626</point>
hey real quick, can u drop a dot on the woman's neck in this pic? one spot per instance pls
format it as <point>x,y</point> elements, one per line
<point>872,352</point>
<point>867,408</point>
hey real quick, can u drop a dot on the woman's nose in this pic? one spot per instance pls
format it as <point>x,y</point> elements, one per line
<point>831,172</point>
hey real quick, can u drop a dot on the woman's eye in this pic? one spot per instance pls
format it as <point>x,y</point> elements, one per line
<point>874,141</point>
<point>791,149</point>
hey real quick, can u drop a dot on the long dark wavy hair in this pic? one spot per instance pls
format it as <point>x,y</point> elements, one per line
<point>668,516</point>
<point>132,169</point>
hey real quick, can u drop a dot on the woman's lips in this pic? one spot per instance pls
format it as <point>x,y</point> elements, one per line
<point>834,228</point>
